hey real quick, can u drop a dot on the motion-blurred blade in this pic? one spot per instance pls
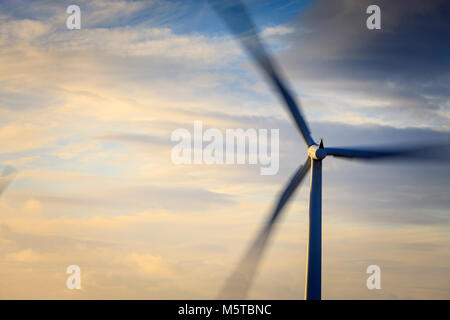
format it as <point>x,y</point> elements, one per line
<point>6,178</point>
<point>240,280</point>
<point>440,152</point>
<point>234,13</point>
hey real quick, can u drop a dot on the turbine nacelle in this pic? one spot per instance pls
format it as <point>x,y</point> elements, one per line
<point>317,152</point>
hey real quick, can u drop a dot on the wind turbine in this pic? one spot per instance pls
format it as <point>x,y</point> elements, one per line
<point>240,24</point>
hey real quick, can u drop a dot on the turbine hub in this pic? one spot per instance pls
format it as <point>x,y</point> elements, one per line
<point>317,152</point>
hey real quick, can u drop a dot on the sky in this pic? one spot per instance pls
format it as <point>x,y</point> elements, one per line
<point>86,118</point>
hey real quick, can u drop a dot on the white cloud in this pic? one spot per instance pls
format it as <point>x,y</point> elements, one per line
<point>279,30</point>
<point>26,255</point>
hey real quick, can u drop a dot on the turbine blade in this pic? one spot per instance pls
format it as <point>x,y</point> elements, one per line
<point>240,280</point>
<point>235,16</point>
<point>6,178</point>
<point>436,152</point>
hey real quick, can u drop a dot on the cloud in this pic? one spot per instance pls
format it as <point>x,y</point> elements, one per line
<point>402,69</point>
<point>149,265</point>
<point>18,137</point>
<point>120,198</point>
<point>21,30</point>
<point>27,255</point>
<point>276,31</point>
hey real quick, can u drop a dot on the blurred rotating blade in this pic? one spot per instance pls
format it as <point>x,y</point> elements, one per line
<point>235,15</point>
<point>429,152</point>
<point>240,280</point>
<point>8,175</point>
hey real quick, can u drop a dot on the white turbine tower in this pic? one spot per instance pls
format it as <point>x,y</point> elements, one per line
<point>238,21</point>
